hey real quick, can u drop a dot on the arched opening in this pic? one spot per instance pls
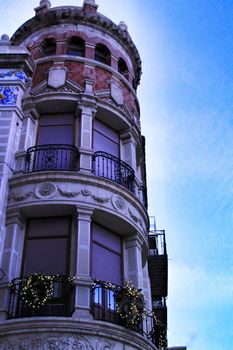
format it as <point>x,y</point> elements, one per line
<point>49,47</point>
<point>122,68</point>
<point>76,46</point>
<point>103,54</point>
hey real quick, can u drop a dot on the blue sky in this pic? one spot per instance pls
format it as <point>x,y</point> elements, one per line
<point>186,96</point>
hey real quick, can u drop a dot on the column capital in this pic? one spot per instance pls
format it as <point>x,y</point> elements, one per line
<point>84,213</point>
<point>134,241</point>
<point>15,217</point>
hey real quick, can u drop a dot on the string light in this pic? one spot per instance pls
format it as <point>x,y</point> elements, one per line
<point>38,289</point>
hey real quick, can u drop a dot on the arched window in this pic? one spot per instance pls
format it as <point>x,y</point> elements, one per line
<point>76,46</point>
<point>49,47</point>
<point>103,54</point>
<point>122,68</point>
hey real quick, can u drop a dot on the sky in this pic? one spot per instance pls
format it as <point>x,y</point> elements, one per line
<point>186,97</point>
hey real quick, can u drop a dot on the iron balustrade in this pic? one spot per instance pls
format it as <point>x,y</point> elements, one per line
<point>60,304</point>
<point>104,308</point>
<point>110,167</point>
<point>51,157</point>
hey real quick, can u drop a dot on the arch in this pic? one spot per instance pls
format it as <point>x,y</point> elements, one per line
<point>102,54</point>
<point>123,68</point>
<point>49,46</point>
<point>76,46</point>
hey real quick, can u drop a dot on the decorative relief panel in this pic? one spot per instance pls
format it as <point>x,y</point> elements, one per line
<point>19,196</point>
<point>16,74</point>
<point>45,190</point>
<point>8,95</point>
<point>55,342</point>
<point>57,77</point>
<point>118,203</point>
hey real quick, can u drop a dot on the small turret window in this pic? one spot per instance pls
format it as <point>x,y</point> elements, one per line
<point>122,68</point>
<point>76,47</point>
<point>49,47</point>
<point>103,54</point>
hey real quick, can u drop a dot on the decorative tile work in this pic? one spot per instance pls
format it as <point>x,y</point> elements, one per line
<point>8,95</point>
<point>16,74</point>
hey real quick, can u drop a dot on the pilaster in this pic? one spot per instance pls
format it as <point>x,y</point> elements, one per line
<point>11,256</point>
<point>133,261</point>
<point>83,279</point>
<point>88,110</point>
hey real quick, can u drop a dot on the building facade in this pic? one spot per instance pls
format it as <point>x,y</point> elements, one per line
<point>73,212</point>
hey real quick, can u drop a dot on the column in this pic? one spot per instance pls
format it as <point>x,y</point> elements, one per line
<point>133,261</point>
<point>83,278</point>
<point>11,257</point>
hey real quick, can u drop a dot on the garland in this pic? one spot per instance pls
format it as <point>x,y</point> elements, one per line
<point>129,300</point>
<point>38,290</point>
<point>130,304</point>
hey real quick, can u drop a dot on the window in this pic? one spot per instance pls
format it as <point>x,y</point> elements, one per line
<point>55,150</point>
<point>122,68</point>
<point>49,47</point>
<point>105,139</point>
<point>103,54</point>
<point>46,247</point>
<point>76,47</point>
<point>56,129</point>
<point>106,255</point>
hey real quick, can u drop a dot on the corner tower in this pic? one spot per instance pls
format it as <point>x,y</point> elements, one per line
<point>74,222</point>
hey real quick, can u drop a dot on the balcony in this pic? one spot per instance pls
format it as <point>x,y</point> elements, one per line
<point>110,167</point>
<point>51,157</point>
<point>60,302</point>
<point>107,305</point>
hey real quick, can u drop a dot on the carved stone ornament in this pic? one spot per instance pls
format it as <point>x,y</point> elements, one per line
<point>118,203</point>
<point>45,190</point>
<point>56,342</point>
<point>100,200</point>
<point>57,77</point>
<point>84,193</point>
<point>68,194</point>
<point>135,218</point>
<point>19,196</point>
<point>116,93</point>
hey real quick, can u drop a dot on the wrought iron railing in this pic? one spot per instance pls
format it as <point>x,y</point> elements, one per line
<point>51,157</point>
<point>110,167</point>
<point>61,302</point>
<point>104,308</point>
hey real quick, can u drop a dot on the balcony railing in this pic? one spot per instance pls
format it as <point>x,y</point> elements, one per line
<point>51,157</point>
<point>110,167</point>
<point>104,308</point>
<point>59,304</point>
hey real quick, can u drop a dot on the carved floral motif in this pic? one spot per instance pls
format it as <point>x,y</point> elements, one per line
<point>68,194</point>
<point>19,196</point>
<point>118,202</point>
<point>45,190</point>
<point>134,217</point>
